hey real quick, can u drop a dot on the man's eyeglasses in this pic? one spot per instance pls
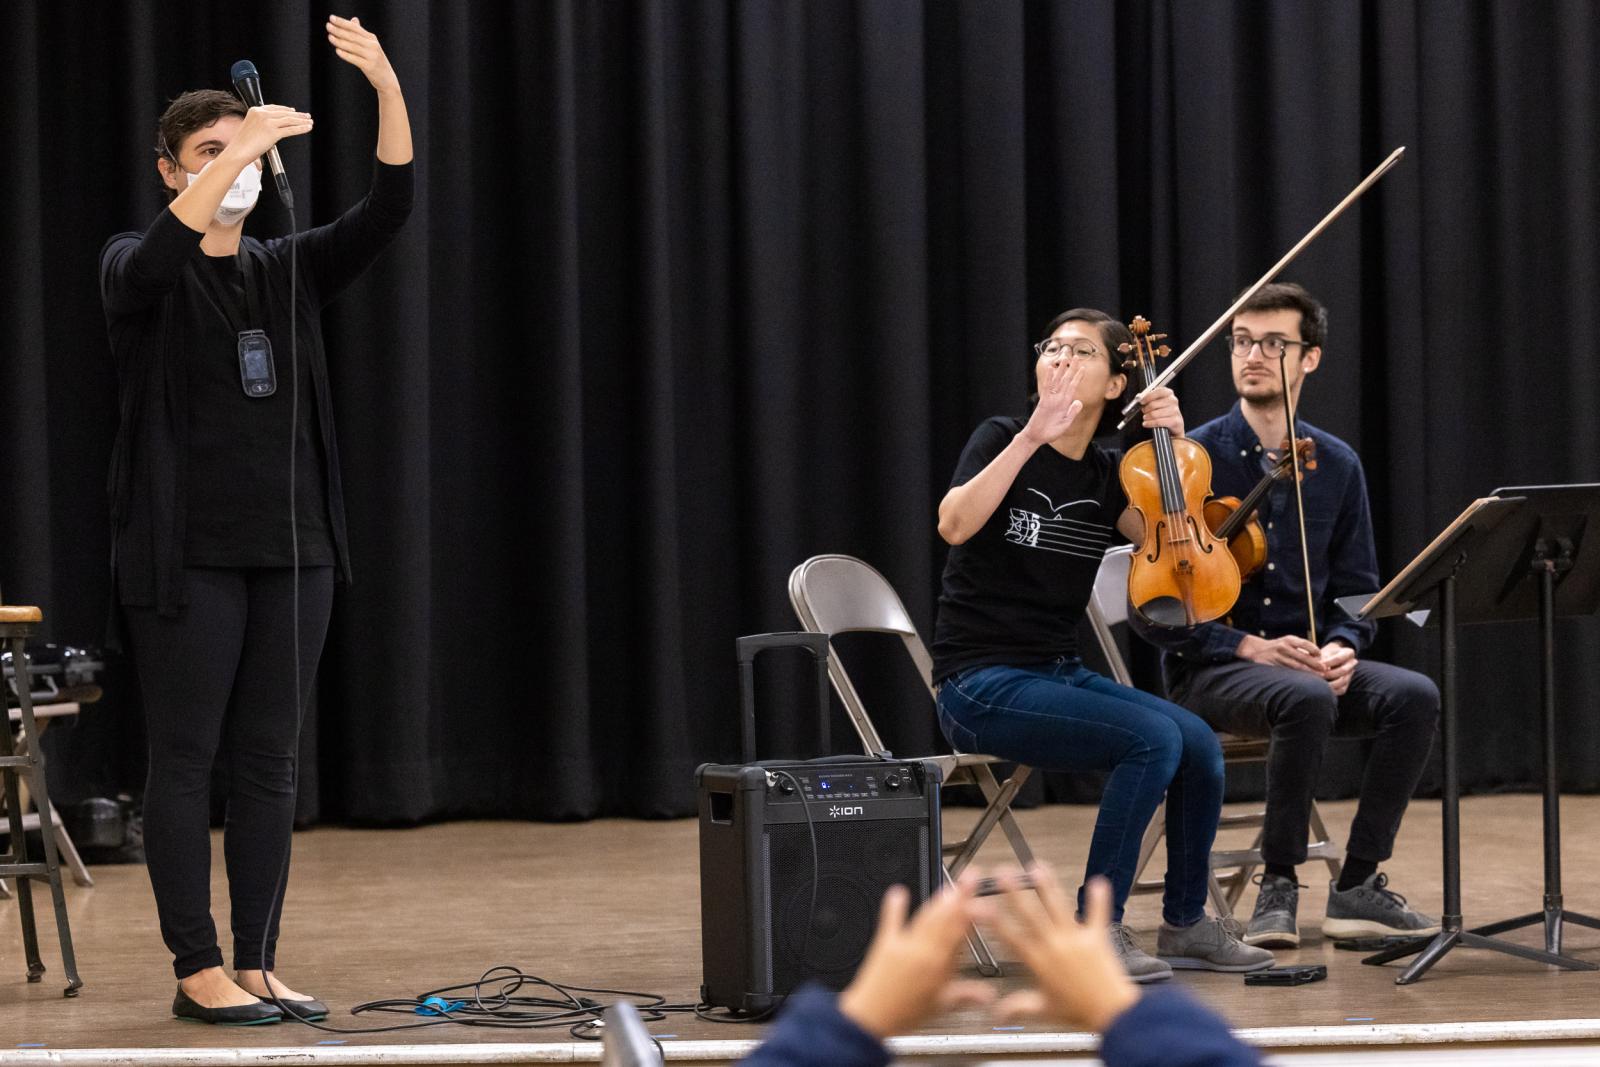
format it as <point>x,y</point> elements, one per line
<point>1271,347</point>
<point>1075,349</point>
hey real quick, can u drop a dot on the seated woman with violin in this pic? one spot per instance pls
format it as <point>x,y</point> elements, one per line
<point>1031,509</point>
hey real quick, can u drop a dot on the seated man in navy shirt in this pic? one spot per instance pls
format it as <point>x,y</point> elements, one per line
<point>1256,674</point>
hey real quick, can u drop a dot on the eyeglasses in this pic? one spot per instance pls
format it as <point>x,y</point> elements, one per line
<point>1271,347</point>
<point>1052,348</point>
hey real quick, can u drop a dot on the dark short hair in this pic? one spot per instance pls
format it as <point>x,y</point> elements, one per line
<point>188,112</point>
<point>1287,296</point>
<point>1113,332</point>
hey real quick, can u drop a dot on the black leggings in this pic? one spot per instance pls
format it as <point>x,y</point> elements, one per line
<point>219,676</point>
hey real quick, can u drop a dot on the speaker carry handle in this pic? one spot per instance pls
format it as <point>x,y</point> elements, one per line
<point>751,646</point>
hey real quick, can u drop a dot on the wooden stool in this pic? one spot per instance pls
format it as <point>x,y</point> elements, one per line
<point>16,624</point>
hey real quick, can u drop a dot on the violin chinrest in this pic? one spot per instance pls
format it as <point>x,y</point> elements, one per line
<point>1165,611</point>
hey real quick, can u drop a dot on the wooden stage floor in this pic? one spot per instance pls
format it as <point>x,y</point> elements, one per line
<point>390,913</point>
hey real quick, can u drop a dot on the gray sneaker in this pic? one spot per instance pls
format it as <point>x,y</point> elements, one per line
<point>1140,965</point>
<point>1272,924</point>
<point>1209,945</point>
<point>1372,909</point>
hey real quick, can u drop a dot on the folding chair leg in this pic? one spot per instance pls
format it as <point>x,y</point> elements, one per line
<point>1019,844</point>
<point>997,812</point>
<point>69,851</point>
<point>1241,878</point>
<point>1330,856</point>
<point>988,966</point>
<point>982,955</point>
<point>1153,834</point>
<point>1219,900</point>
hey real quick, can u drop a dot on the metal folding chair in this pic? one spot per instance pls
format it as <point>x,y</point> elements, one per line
<point>841,594</point>
<point>1108,609</point>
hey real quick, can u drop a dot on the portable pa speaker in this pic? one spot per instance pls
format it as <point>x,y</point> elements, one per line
<point>771,835</point>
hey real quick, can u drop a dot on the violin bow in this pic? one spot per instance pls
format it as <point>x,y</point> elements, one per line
<point>1299,495</point>
<point>1216,327</point>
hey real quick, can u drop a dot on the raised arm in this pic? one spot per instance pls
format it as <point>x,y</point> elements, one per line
<point>335,254</point>
<point>359,47</point>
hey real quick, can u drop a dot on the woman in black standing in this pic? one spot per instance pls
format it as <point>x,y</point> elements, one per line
<point>214,580</point>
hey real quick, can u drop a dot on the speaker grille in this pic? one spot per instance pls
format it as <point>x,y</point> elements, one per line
<point>856,863</point>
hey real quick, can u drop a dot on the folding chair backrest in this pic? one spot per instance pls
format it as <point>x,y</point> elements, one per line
<point>841,594</point>
<point>1108,607</point>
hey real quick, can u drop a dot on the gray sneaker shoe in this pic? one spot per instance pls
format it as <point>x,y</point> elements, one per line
<point>1140,965</point>
<point>1209,945</point>
<point>1372,909</point>
<point>1272,924</point>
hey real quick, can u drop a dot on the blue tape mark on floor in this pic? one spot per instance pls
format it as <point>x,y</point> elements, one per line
<point>1358,1018</point>
<point>1011,1028</point>
<point>663,1037</point>
<point>330,1042</point>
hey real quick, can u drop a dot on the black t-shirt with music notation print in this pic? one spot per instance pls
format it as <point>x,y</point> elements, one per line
<point>1015,592</point>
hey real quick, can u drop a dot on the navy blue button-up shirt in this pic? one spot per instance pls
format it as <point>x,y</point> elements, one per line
<point>1344,560</point>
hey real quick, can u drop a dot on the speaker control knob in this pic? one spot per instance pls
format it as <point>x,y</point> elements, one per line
<point>891,781</point>
<point>786,787</point>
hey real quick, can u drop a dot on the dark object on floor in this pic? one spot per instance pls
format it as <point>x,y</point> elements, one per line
<point>1315,972</point>
<point>106,830</point>
<point>1371,944</point>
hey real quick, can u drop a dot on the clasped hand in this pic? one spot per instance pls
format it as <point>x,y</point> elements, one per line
<point>1334,662</point>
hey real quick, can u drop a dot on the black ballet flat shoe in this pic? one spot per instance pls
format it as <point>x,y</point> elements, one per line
<point>307,1011</point>
<point>185,1008</point>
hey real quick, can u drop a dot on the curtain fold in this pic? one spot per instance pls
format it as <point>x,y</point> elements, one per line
<point>695,290</point>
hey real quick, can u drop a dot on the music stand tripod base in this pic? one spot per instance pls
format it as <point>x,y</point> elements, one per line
<point>1431,950</point>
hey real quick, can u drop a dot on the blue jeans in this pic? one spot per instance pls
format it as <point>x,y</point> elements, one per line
<point>1060,716</point>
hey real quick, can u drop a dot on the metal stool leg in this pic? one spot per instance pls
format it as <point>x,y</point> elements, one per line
<point>17,838</point>
<point>34,769</point>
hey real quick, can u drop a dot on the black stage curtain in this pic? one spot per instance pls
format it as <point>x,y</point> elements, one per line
<point>695,290</point>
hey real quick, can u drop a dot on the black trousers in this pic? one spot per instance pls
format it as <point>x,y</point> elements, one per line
<point>1397,708</point>
<point>219,678</point>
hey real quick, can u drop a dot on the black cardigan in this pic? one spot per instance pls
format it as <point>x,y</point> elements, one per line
<point>152,297</point>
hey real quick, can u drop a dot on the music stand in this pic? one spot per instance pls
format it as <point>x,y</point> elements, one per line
<point>1481,558</point>
<point>1561,577</point>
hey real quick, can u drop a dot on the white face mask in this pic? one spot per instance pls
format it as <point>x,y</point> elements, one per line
<point>242,194</point>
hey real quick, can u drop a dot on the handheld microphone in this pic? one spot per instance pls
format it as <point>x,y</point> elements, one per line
<point>247,83</point>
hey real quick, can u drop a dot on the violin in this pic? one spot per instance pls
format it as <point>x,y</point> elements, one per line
<point>1235,522</point>
<point>1181,573</point>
